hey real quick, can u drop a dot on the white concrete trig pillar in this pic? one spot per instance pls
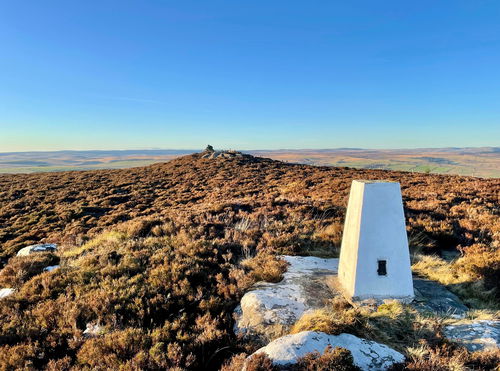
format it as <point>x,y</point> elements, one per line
<point>374,257</point>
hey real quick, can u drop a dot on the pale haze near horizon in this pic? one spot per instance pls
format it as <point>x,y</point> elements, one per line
<point>180,75</point>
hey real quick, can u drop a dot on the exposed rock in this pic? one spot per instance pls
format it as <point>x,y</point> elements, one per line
<point>450,255</point>
<point>6,292</point>
<point>270,309</point>
<point>430,297</point>
<point>50,268</point>
<point>368,355</point>
<point>220,154</point>
<point>45,247</point>
<point>476,335</point>
<point>433,297</point>
<point>93,330</point>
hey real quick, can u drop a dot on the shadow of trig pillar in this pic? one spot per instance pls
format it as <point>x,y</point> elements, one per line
<point>374,257</point>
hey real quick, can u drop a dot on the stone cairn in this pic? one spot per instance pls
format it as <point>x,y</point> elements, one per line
<point>210,153</point>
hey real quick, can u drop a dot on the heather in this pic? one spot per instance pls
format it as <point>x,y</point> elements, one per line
<point>158,257</point>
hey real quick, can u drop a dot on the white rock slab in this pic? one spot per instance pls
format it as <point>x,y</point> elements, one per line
<point>45,247</point>
<point>368,355</point>
<point>477,335</point>
<point>50,268</point>
<point>374,257</point>
<point>93,329</point>
<point>303,288</point>
<point>6,292</point>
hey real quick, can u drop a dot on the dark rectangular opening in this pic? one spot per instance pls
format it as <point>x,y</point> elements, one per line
<point>382,268</point>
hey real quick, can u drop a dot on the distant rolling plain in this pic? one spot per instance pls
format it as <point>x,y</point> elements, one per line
<point>480,162</point>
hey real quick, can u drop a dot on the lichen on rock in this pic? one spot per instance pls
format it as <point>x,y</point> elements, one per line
<point>44,247</point>
<point>475,335</point>
<point>367,355</point>
<point>270,309</point>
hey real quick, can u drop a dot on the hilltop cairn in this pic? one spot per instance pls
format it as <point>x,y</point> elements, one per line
<point>210,153</point>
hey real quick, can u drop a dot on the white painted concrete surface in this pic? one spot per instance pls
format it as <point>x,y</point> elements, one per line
<point>375,230</point>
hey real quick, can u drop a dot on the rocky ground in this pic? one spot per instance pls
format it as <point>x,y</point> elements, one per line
<point>268,311</point>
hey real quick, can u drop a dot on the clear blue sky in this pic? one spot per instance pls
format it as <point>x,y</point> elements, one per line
<point>248,74</point>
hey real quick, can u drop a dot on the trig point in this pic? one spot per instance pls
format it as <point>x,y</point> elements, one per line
<point>374,257</point>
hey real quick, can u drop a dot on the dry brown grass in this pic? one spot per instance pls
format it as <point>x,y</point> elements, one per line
<point>449,358</point>
<point>335,359</point>
<point>328,321</point>
<point>304,205</point>
<point>265,267</point>
<point>463,278</point>
<point>258,362</point>
<point>417,336</point>
<point>393,324</point>
<point>153,254</point>
<point>22,268</point>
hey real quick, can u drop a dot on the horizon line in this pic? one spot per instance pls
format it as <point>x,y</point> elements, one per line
<point>246,150</point>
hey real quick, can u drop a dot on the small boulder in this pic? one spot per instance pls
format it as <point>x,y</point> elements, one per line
<point>45,247</point>
<point>6,292</point>
<point>367,355</point>
<point>476,335</point>
<point>93,329</point>
<point>50,268</point>
<point>270,309</point>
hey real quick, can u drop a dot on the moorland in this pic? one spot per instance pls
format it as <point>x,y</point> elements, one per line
<point>480,162</point>
<point>159,256</point>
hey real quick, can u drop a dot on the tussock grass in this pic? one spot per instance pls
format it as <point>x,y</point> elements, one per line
<point>265,267</point>
<point>22,268</point>
<point>335,319</point>
<point>437,269</point>
<point>401,327</point>
<point>449,358</point>
<point>107,239</point>
<point>483,314</point>
<point>326,321</point>
<point>458,279</point>
<point>394,324</point>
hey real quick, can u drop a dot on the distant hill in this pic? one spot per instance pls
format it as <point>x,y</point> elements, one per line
<point>32,162</point>
<point>480,162</point>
